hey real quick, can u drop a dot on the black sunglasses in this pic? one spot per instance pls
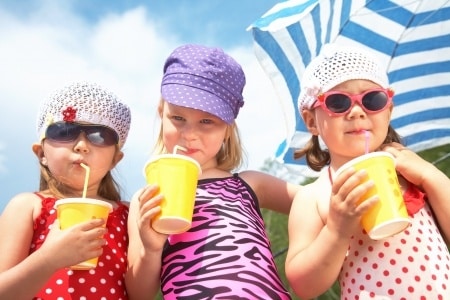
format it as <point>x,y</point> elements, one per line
<point>339,103</point>
<point>98,135</point>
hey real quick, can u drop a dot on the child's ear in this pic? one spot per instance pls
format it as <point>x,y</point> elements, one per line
<point>309,119</point>
<point>161,107</point>
<point>228,131</point>
<point>39,152</point>
<point>117,157</point>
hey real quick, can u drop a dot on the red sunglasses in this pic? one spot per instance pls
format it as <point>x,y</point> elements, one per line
<point>339,103</point>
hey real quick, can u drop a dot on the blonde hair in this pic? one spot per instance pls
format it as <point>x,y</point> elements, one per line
<point>230,155</point>
<point>317,158</point>
<point>108,188</point>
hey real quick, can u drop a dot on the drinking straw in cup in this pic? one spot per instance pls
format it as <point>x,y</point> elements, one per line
<point>72,211</point>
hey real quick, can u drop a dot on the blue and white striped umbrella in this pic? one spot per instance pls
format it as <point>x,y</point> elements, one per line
<point>411,37</point>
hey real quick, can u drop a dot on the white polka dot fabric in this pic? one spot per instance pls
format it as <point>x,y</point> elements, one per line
<point>414,264</point>
<point>86,102</point>
<point>204,78</point>
<point>334,65</point>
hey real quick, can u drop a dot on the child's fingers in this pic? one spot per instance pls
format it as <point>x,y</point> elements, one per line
<point>347,181</point>
<point>90,224</point>
<point>148,192</point>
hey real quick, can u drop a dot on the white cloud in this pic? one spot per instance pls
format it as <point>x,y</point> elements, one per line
<point>123,52</point>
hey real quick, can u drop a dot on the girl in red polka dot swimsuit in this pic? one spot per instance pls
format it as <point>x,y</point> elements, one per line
<point>346,101</point>
<point>80,125</point>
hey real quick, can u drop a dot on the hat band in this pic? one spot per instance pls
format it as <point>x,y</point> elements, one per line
<point>207,85</point>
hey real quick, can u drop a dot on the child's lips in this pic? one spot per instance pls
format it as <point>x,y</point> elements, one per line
<point>79,162</point>
<point>186,150</point>
<point>190,151</point>
<point>357,131</point>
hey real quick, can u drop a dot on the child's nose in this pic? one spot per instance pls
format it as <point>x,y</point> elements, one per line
<point>189,131</point>
<point>356,111</point>
<point>81,143</point>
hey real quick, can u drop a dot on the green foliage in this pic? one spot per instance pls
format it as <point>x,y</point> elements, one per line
<point>440,157</point>
<point>276,227</point>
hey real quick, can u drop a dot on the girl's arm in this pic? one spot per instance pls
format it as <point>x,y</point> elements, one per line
<point>429,178</point>
<point>318,242</point>
<point>22,274</point>
<point>273,193</point>
<point>18,270</point>
<point>436,186</point>
<point>145,246</point>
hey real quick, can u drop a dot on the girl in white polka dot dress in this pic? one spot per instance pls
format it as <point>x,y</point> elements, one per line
<point>346,100</point>
<point>79,124</point>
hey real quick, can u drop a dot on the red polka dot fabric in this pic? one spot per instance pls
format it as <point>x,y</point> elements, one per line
<point>414,264</point>
<point>104,282</point>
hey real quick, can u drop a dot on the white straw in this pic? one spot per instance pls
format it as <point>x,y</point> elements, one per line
<point>177,147</point>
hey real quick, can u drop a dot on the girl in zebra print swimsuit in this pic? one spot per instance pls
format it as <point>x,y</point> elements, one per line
<point>226,253</point>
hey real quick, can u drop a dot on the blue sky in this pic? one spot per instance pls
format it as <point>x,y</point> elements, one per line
<point>122,45</point>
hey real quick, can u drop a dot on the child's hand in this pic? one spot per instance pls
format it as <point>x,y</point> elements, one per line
<point>345,210</point>
<point>409,164</point>
<point>73,245</point>
<point>149,207</point>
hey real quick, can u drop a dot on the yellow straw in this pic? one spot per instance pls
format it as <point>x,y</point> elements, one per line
<point>86,179</point>
<point>177,147</point>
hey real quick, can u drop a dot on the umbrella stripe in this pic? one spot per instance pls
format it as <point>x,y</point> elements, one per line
<point>289,157</point>
<point>391,11</point>
<point>441,136</point>
<point>418,106</point>
<point>296,33</point>
<point>422,44</point>
<point>412,128</point>
<point>420,70</point>
<point>423,116</point>
<point>419,94</point>
<point>278,56</point>
<point>431,15</point>
<point>369,38</point>
<point>283,12</point>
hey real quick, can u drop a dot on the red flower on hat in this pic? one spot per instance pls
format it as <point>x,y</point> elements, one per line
<point>69,114</point>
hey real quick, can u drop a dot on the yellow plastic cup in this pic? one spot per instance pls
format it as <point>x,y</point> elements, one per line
<point>72,211</point>
<point>389,216</point>
<point>177,177</point>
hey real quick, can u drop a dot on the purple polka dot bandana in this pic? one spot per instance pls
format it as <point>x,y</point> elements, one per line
<point>204,78</point>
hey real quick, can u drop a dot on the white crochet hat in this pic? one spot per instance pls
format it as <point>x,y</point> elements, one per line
<point>334,65</point>
<point>85,102</point>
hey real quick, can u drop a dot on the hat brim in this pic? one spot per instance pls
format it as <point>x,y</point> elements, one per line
<point>192,97</point>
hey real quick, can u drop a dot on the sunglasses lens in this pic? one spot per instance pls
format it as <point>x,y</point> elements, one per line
<point>338,103</point>
<point>62,132</point>
<point>375,101</point>
<point>101,136</point>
